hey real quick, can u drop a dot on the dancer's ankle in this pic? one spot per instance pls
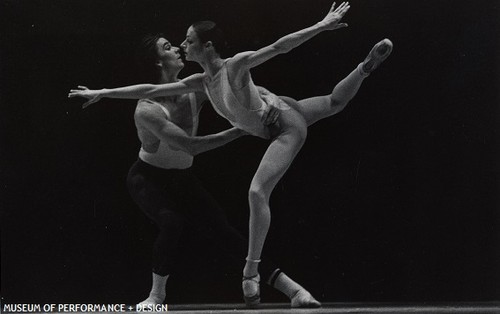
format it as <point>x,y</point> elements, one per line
<point>158,291</point>
<point>285,284</point>
<point>251,267</point>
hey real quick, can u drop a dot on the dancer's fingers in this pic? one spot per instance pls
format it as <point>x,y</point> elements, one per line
<point>342,9</point>
<point>88,103</point>
<point>276,116</point>
<point>339,8</point>
<point>341,25</point>
<point>332,8</point>
<point>345,9</point>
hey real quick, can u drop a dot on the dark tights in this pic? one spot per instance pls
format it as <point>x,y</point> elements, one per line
<point>174,199</point>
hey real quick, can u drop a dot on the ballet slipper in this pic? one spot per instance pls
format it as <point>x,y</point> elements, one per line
<point>377,55</point>
<point>303,299</point>
<point>251,290</point>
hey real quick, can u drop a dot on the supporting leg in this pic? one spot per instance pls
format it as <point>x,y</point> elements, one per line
<point>273,166</point>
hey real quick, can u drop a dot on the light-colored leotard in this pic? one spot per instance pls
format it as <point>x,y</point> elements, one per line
<point>245,115</point>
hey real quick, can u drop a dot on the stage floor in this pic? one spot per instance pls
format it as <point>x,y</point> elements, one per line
<point>275,308</point>
<point>337,307</point>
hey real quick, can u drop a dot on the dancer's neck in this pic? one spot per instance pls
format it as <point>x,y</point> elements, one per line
<point>168,77</point>
<point>212,65</point>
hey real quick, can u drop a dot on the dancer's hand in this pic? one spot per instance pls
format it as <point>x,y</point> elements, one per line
<point>82,91</point>
<point>272,110</point>
<point>271,114</point>
<point>332,19</point>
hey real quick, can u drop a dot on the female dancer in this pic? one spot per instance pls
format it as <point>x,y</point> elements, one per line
<point>230,88</point>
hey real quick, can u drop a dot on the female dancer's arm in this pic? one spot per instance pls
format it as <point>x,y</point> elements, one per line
<point>152,118</point>
<point>190,84</point>
<point>250,59</point>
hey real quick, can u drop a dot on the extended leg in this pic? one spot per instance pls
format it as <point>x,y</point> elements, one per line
<point>316,108</point>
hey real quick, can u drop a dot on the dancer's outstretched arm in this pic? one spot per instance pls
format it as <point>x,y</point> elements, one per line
<point>140,91</point>
<point>249,59</point>
<point>190,84</point>
<point>151,117</point>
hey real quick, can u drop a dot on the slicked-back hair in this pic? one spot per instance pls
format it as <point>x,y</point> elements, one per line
<point>209,31</point>
<point>147,56</point>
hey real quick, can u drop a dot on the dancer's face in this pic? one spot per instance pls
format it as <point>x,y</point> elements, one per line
<point>168,55</point>
<point>192,46</point>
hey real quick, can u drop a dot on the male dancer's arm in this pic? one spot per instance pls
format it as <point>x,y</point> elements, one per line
<point>152,118</point>
<point>249,59</point>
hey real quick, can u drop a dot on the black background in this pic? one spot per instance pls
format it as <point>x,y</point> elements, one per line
<point>395,199</point>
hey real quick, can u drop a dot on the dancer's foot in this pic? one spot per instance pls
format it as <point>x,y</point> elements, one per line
<point>303,299</point>
<point>153,299</point>
<point>377,55</point>
<point>251,290</point>
<point>299,297</point>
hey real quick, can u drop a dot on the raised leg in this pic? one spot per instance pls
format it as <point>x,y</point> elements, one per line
<point>316,108</point>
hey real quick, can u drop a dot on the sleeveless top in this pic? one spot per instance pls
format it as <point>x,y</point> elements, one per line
<point>166,157</point>
<point>246,117</point>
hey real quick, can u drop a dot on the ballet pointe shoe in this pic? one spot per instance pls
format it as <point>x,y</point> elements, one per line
<point>251,290</point>
<point>377,55</point>
<point>303,299</point>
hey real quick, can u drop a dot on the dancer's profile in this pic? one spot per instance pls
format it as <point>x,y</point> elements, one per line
<point>229,86</point>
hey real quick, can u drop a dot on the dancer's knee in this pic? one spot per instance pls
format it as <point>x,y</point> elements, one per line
<point>257,197</point>
<point>302,134</point>
<point>259,205</point>
<point>299,133</point>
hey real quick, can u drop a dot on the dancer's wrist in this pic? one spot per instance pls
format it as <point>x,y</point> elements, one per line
<point>321,25</point>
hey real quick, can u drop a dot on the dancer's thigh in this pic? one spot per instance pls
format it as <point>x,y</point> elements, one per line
<point>281,152</point>
<point>312,109</point>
